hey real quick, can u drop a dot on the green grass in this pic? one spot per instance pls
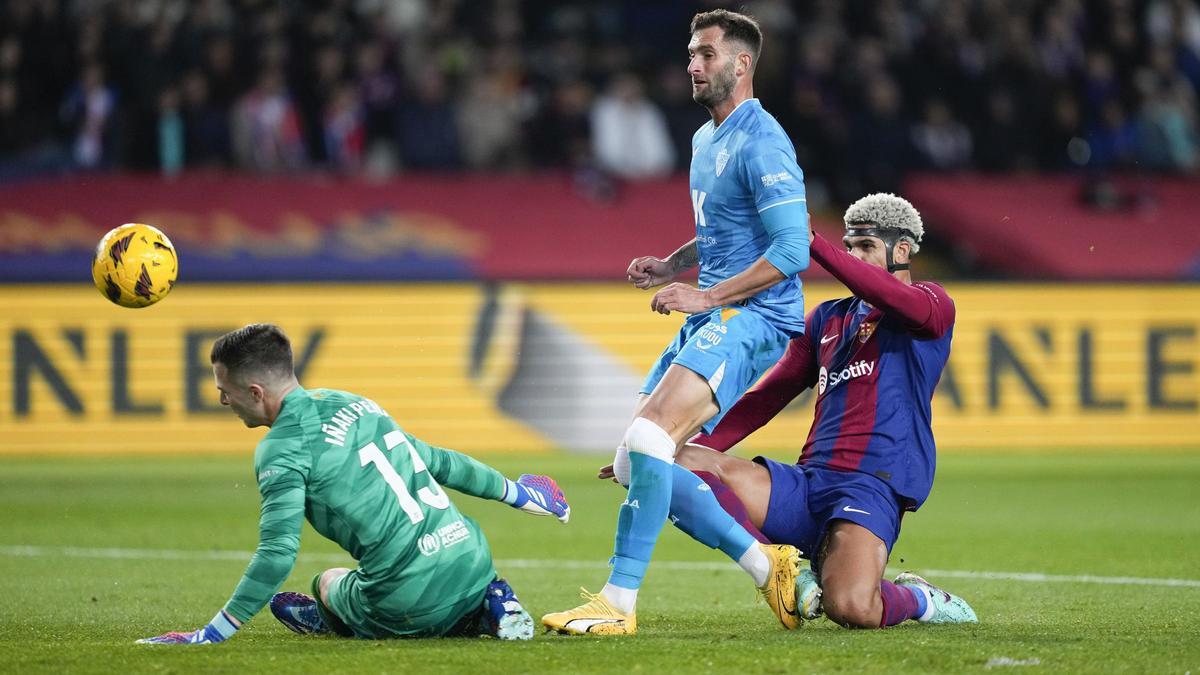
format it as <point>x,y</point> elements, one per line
<point>1127,515</point>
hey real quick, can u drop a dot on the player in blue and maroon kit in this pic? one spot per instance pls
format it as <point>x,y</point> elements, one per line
<point>875,359</point>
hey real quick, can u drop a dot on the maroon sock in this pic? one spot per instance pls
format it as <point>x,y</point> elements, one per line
<point>732,505</point>
<point>899,604</point>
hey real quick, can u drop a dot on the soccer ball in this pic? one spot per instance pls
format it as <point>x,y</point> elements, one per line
<point>135,265</point>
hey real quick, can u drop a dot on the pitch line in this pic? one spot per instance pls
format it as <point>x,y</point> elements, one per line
<point>539,563</point>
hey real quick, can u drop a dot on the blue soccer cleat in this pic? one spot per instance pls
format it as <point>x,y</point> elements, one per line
<point>506,618</point>
<point>943,607</point>
<point>299,613</point>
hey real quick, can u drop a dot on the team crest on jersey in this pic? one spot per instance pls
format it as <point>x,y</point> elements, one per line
<point>866,330</point>
<point>722,160</point>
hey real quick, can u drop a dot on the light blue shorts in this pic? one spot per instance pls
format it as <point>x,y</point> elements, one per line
<point>731,347</point>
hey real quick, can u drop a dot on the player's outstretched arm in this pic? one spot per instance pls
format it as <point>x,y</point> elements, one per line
<point>537,495</point>
<point>221,628</point>
<point>279,542</point>
<point>925,309</point>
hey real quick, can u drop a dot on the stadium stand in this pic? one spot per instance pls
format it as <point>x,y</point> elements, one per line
<point>871,91</point>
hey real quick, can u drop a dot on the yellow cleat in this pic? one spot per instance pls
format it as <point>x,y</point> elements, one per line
<point>780,591</point>
<point>595,617</point>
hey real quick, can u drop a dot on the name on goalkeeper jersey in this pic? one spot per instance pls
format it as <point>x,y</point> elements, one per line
<point>337,426</point>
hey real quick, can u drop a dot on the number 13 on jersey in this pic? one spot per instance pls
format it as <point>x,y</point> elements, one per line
<point>432,495</point>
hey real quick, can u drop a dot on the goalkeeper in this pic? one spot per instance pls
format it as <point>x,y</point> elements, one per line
<point>424,568</point>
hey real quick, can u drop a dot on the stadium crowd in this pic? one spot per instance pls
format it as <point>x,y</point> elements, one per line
<point>869,89</point>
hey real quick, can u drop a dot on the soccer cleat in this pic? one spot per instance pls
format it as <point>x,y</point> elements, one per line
<point>808,595</point>
<point>780,590</point>
<point>595,617</point>
<point>299,613</point>
<point>943,607</point>
<point>506,618</point>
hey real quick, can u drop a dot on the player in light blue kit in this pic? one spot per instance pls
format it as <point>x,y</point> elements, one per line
<point>751,240</point>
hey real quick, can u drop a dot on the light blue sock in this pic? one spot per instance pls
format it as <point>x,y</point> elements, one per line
<point>641,519</point>
<point>696,511</point>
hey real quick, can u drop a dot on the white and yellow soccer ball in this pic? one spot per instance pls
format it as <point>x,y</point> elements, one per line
<point>135,265</point>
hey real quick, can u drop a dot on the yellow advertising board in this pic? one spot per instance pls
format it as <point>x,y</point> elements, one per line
<point>544,366</point>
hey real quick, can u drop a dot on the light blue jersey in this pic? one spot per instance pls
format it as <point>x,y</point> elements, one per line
<point>748,199</point>
<point>740,170</point>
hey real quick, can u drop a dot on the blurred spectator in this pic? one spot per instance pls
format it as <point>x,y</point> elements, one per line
<point>428,131</point>
<point>1174,22</point>
<point>266,127</point>
<point>683,115</point>
<point>15,124</point>
<point>171,136</point>
<point>224,83</point>
<point>629,133</point>
<point>816,118</point>
<point>380,91</point>
<point>1005,144</point>
<point>1167,135</point>
<point>1112,140</point>
<point>88,112</point>
<point>1100,84</point>
<point>501,84</point>
<point>344,127</point>
<point>560,135</point>
<point>1060,43</point>
<point>879,141</point>
<point>941,141</point>
<point>1055,141</point>
<point>493,109</point>
<point>205,125</point>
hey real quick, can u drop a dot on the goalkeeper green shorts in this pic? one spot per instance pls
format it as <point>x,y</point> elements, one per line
<point>349,614</point>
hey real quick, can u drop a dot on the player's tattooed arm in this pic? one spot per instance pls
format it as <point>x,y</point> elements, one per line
<point>685,257</point>
<point>648,271</point>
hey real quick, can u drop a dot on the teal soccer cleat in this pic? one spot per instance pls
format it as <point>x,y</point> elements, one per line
<point>943,607</point>
<point>808,595</point>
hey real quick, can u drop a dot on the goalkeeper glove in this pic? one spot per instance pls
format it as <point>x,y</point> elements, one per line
<point>537,495</point>
<point>220,629</point>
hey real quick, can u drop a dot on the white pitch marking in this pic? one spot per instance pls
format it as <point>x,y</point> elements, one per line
<point>539,563</point>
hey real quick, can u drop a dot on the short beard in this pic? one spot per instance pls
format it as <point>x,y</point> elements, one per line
<point>720,88</point>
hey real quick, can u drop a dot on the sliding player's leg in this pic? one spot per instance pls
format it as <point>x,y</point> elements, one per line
<point>741,486</point>
<point>861,518</point>
<point>856,596</point>
<point>853,591</point>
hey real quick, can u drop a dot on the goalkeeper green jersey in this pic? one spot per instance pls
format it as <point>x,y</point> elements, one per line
<point>343,463</point>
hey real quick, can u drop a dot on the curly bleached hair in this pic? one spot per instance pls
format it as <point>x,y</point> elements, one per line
<point>886,210</point>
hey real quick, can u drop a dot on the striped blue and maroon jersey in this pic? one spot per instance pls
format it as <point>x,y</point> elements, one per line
<point>875,359</point>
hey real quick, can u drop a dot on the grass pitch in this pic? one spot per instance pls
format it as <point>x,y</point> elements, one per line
<point>1074,563</point>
